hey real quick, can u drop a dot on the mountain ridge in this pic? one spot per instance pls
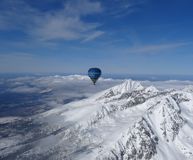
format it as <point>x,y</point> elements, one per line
<point>127,121</point>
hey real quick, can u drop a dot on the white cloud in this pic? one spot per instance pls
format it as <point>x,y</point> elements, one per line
<point>121,8</point>
<point>82,7</point>
<point>64,24</point>
<point>60,88</point>
<point>93,36</point>
<point>24,89</point>
<point>16,15</point>
<point>67,28</point>
<point>157,47</point>
<point>67,24</point>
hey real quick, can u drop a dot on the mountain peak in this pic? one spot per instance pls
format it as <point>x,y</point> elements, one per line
<point>127,86</point>
<point>151,89</point>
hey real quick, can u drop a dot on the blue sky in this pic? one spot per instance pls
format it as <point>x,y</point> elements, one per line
<point>119,36</point>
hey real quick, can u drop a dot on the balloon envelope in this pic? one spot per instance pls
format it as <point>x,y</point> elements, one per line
<point>94,74</point>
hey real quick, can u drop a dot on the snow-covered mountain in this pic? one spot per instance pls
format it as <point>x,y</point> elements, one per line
<point>128,121</point>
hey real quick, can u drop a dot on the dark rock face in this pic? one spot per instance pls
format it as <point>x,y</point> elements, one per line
<point>170,120</point>
<point>140,144</point>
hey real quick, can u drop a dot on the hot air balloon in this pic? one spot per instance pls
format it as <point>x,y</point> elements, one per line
<point>94,74</point>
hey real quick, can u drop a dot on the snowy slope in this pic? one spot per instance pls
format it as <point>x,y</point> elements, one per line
<point>128,121</point>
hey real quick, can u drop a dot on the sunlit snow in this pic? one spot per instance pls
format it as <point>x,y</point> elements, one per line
<point>116,119</point>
